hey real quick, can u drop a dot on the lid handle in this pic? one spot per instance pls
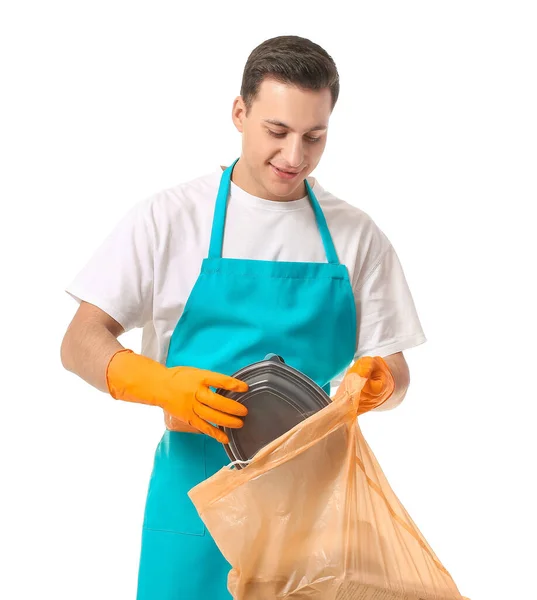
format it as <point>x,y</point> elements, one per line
<point>274,358</point>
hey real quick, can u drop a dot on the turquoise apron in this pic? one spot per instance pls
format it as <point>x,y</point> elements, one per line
<point>238,312</point>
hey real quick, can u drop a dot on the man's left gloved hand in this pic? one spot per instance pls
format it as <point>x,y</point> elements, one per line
<point>380,382</point>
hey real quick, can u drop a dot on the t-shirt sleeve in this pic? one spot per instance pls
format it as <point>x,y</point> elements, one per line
<point>386,314</point>
<point>118,278</point>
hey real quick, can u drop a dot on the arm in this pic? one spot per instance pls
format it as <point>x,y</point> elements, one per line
<point>386,316</point>
<point>89,343</point>
<point>90,349</point>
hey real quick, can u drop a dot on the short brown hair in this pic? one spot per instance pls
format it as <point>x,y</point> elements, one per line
<point>289,59</point>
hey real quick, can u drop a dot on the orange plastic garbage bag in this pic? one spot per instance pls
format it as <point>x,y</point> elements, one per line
<point>312,516</point>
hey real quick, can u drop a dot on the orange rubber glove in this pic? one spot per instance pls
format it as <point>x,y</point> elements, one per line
<point>183,392</point>
<point>380,382</point>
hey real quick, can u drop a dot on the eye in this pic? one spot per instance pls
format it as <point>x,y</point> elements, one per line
<point>274,134</point>
<point>280,135</point>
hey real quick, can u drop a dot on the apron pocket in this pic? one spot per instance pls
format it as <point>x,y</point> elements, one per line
<point>179,466</point>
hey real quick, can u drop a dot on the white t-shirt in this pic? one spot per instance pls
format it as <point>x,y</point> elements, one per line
<point>143,273</point>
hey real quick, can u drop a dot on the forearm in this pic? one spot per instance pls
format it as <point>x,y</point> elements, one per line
<point>86,351</point>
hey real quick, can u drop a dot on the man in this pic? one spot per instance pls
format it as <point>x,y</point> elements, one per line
<point>254,258</point>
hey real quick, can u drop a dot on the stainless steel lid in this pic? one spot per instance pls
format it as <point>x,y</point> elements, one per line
<point>279,397</point>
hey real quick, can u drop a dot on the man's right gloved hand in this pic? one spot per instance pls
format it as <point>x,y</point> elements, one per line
<point>182,392</point>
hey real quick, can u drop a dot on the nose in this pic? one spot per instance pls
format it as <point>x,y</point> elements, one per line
<point>293,151</point>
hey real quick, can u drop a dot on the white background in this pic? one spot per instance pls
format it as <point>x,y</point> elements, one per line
<point>434,135</point>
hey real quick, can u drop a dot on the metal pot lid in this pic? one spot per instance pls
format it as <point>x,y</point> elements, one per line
<point>279,397</point>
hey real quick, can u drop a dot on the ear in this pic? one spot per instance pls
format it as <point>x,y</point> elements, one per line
<point>238,113</point>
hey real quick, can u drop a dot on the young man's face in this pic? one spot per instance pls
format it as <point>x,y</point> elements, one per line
<point>286,129</point>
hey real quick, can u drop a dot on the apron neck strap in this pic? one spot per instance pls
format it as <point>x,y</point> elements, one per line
<point>219,219</point>
<point>328,242</point>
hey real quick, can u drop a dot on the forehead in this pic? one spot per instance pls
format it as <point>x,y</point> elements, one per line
<point>291,104</point>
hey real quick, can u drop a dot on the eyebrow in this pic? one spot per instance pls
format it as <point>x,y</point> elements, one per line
<point>280,124</point>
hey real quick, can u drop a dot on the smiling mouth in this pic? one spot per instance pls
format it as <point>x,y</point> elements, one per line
<point>285,174</point>
<point>285,170</point>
